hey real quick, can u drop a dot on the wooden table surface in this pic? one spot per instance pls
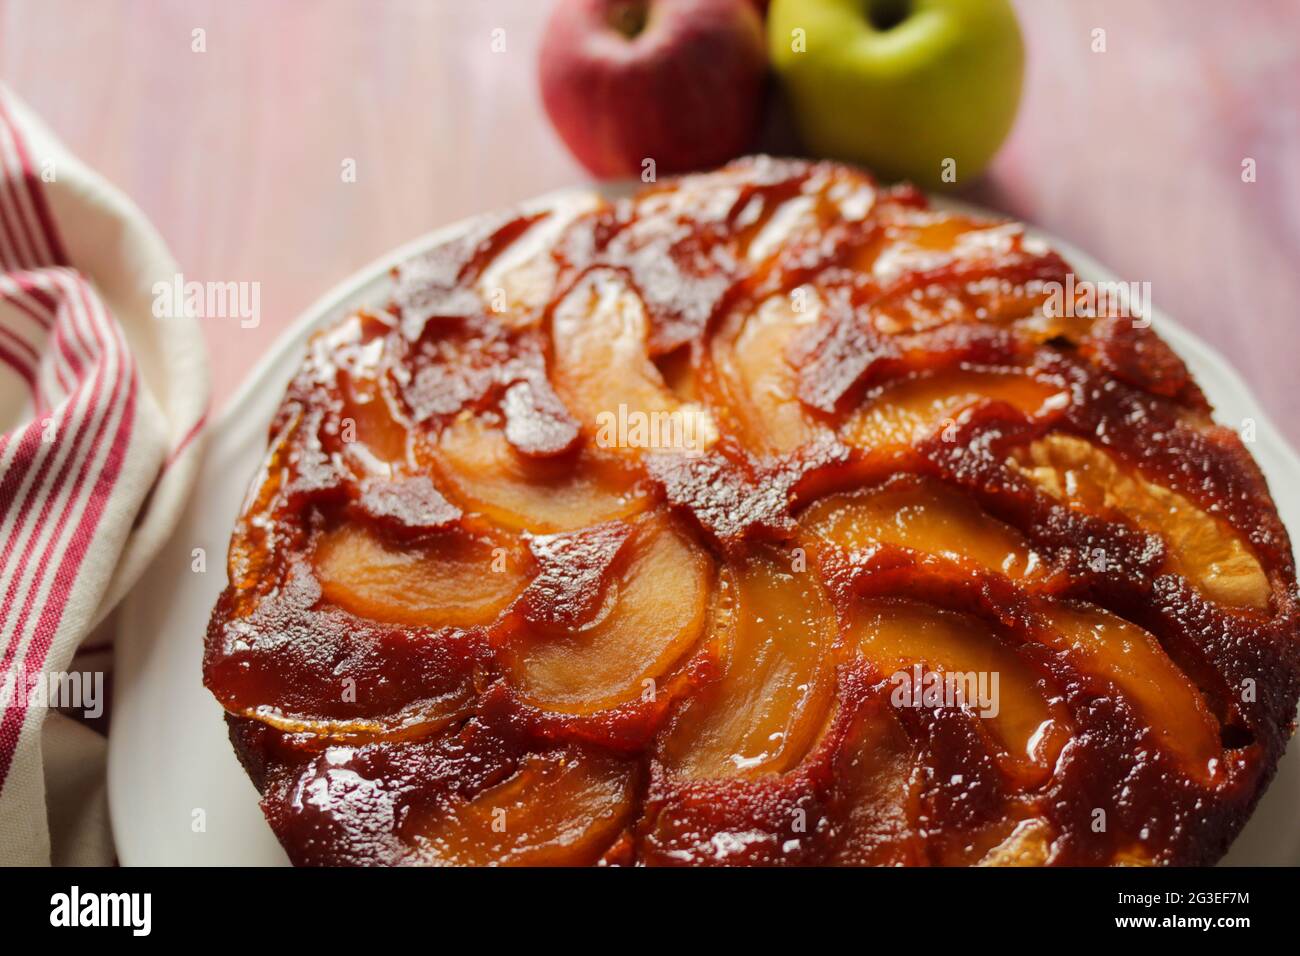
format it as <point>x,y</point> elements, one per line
<point>1134,154</point>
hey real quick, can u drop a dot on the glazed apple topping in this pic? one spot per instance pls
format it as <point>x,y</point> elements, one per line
<point>925,516</point>
<point>755,382</point>
<point>485,474</point>
<point>775,632</point>
<point>439,583</point>
<point>1029,844</point>
<point>560,808</point>
<point>875,779</point>
<point>518,284</point>
<point>1132,660</point>
<point>603,371</point>
<point>1202,548</point>
<point>650,615</point>
<point>899,413</point>
<point>1027,729</point>
<point>751,519</point>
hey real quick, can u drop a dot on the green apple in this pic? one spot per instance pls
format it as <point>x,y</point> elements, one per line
<point>912,89</point>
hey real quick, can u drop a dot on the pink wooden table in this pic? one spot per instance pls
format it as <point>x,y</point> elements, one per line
<point>1134,154</point>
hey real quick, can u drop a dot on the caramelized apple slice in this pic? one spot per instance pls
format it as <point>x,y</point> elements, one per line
<point>451,580</point>
<point>1029,844</point>
<point>350,356</point>
<point>978,271</point>
<point>780,225</point>
<point>653,612</point>
<point>903,412</point>
<point>606,378</point>
<point>678,373</point>
<point>1202,548</point>
<point>924,515</point>
<point>918,240</point>
<point>521,279</point>
<point>370,434</point>
<point>873,779</point>
<point>775,628</point>
<point>759,385</point>
<point>420,720</point>
<point>486,475</point>
<point>992,298</point>
<point>905,639</point>
<point>1134,855</point>
<point>1100,643</point>
<point>562,808</point>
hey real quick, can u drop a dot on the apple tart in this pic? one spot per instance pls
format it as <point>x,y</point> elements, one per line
<point>766,516</point>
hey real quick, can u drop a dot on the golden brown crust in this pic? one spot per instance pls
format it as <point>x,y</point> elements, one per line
<point>665,532</point>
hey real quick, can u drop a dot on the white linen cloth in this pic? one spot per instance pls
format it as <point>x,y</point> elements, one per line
<point>102,406</point>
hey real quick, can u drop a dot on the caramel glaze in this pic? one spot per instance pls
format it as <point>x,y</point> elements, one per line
<point>380,737</point>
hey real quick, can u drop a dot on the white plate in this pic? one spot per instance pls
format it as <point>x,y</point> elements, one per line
<point>177,793</point>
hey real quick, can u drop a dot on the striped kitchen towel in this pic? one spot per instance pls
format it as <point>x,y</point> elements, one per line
<point>101,406</point>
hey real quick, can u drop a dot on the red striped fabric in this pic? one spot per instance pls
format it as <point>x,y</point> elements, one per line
<point>58,469</point>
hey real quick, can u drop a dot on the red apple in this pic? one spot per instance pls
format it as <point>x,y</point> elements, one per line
<point>677,81</point>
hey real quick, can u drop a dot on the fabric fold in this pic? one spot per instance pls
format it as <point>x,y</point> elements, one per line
<point>102,406</point>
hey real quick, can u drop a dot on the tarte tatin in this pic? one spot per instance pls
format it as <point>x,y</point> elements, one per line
<point>767,516</point>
